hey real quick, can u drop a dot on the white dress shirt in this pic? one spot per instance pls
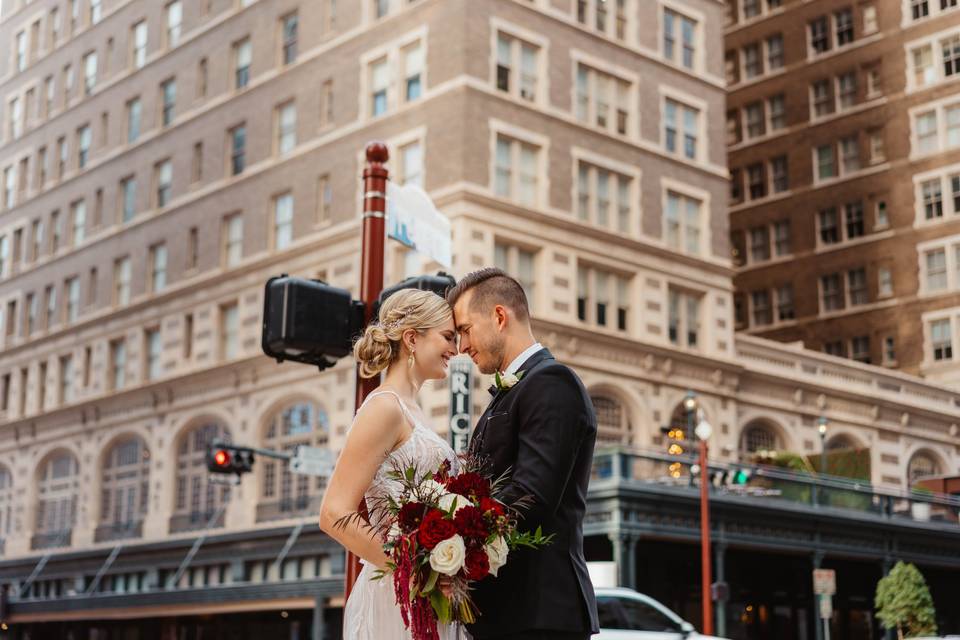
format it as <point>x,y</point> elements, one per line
<point>520,359</point>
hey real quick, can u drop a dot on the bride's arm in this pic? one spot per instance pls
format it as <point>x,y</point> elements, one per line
<point>375,432</point>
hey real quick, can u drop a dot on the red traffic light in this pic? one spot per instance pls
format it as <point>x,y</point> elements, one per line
<point>221,457</point>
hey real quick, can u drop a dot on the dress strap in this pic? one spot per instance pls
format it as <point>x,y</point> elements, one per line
<point>403,405</point>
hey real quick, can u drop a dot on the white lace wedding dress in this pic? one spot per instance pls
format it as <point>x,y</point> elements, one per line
<point>371,612</point>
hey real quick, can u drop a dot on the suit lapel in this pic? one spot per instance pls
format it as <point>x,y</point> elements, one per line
<point>529,363</point>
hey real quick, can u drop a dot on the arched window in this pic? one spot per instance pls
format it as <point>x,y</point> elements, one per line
<point>837,443</point>
<point>284,494</point>
<point>125,488</point>
<point>196,497</point>
<point>6,503</point>
<point>59,484</point>
<point>758,436</point>
<point>921,465</point>
<point>613,426</point>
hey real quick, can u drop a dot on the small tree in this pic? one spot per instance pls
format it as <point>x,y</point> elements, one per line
<point>903,602</point>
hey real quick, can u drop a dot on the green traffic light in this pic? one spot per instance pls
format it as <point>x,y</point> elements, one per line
<point>741,477</point>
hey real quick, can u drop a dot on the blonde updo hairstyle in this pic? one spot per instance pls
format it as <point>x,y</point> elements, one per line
<point>382,342</point>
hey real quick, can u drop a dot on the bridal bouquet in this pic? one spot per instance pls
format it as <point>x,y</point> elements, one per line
<point>445,532</point>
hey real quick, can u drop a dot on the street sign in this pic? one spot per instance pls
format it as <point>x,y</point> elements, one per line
<point>826,607</point>
<point>825,581</point>
<point>461,371</point>
<point>414,220</point>
<point>312,461</point>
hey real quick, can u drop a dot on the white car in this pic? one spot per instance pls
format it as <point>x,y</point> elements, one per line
<point>627,615</point>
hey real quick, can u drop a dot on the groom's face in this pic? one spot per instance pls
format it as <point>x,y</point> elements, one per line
<point>480,336</point>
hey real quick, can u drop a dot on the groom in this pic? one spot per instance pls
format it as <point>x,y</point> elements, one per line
<point>540,425</point>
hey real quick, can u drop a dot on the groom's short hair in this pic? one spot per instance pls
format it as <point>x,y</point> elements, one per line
<point>490,287</point>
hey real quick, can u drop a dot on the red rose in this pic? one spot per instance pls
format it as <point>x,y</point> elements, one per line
<point>410,516</point>
<point>435,529</point>
<point>477,564</point>
<point>472,485</point>
<point>470,523</point>
<point>489,505</point>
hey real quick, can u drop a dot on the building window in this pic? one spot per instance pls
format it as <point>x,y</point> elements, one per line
<point>232,240</point>
<point>884,282</point>
<point>196,498</point>
<point>932,199</point>
<point>779,174</point>
<point>681,125</point>
<point>168,92</point>
<point>889,351</point>
<point>919,9</point>
<point>517,67</point>
<point>684,223</point>
<point>785,309</point>
<point>229,331</point>
<point>927,136</point>
<point>121,281</point>
<point>752,61</point>
<point>174,13</point>
<point>134,111</point>
<point>164,181</point>
<point>756,125</point>
<point>516,173</point>
<point>604,197</point>
<point>519,263</point>
<point>820,35</point>
<point>847,89</point>
<point>289,29</point>
<point>826,165</point>
<point>128,199</point>
<point>781,238</point>
<point>413,72</point>
<point>379,83</point>
<point>775,52</point>
<point>326,103</point>
<point>762,311</point>
<point>857,286</point>
<point>154,350</point>
<point>118,364</point>
<point>612,424</point>
<point>942,340</point>
<point>603,100</point>
<point>202,78</point>
<point>853,215</point>
<point>381,8</point>
<point>78,216</point>
<point>823,103</point>
<point>777,111</point>
<point>32,304</point>
<point>835,348</point>
<point>238,150</point>
<point>300,424</point>
<point>139,40</point>
<point>72,285</point>
<point>829,227</point>
<point>58,491</point>
<point>756,181</point>
<point>936,263</point>
<point>243,56</point>
<point>282,221</point>
<point>878,152</point>
<point>89,73</point>
<point>831,291</point>
<point>125,489</point>
<point>603,298</point>
<point>843,21</point>
<point>286,127</point>
<point>84,138</point>
<point>924,72</point>
<point>683,318</point>
<point>158,268</point>
<point>860,349</point>
<point>324,199</point>
<point>678,28</point>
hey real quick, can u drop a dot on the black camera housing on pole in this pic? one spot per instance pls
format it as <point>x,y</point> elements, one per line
<point>312,322</point>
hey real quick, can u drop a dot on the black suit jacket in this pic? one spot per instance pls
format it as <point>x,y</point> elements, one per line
<point>544,429</point>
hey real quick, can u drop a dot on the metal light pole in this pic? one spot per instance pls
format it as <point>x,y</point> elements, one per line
<point>375,177</point>
<point>703,432</point>
<point>822,428</point>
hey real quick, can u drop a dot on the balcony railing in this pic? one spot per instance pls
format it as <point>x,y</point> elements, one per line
<point>51,540</point>
<point>118,531</point>
<point>195,521</point>
<point>772,484</point>
<point>296,507</point>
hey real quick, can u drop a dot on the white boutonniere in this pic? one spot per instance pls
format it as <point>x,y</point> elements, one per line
<point>504,381</point>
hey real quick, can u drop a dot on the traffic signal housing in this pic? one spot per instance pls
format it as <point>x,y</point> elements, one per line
<point>439,284</point>
<point>309,321</point>
<point>229,459</point>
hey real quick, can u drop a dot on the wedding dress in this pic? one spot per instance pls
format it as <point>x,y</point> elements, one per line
<point>371,611</point>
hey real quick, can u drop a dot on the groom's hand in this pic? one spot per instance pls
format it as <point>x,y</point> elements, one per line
<point>551,428</point>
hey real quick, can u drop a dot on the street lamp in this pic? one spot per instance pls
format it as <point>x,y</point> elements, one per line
<point>703,431</point>
<point>822,428</point>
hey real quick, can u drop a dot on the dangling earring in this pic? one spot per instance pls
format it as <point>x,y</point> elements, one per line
<point>410,361</point>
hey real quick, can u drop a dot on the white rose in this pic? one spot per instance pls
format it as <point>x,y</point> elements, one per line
<point>448,556</point>
<point>446,501</point>
<point>394,532</point>
<point>497,554</point>
<point>507,380</point>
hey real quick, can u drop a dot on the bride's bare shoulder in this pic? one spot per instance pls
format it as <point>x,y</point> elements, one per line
<point>380,414</point>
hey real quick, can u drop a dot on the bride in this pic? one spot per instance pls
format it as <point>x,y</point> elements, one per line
<point>412,341</point>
